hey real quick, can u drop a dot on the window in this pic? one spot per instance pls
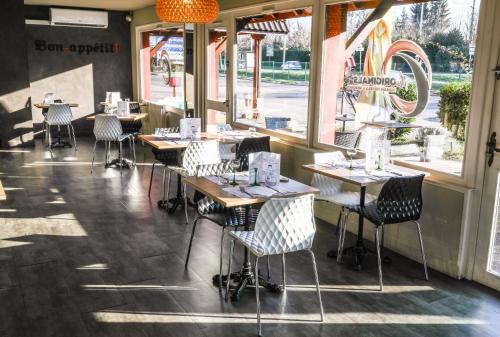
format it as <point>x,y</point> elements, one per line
<point>413,66</point>
<point>167,67</point>
<point>274,53</point>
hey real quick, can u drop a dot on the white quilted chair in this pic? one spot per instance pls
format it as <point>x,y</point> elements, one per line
<point>284,225</point>
<point>59,115</point>
<point>108,128</point>
<point>197,153</point>
<point>331,191</point>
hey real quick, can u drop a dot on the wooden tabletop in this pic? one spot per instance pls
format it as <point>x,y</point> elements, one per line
<point>46,106</point>
<point>3,196</point>
<point>165,144</point>
<point>226,199</point>
<point>358,176</point>
<point>133,117</point>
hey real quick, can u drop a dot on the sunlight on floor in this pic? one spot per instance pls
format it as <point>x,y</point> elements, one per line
<point>95,266</point>
<point>302,318</point>
<point>388,289</point>
<point>135,287</point>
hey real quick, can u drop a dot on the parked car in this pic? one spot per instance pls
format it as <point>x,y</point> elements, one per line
<point>291,65</point>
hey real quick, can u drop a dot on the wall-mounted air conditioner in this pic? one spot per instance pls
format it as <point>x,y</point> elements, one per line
<point>78,18</point>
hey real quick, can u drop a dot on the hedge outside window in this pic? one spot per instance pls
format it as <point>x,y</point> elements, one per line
<point>426,52</point>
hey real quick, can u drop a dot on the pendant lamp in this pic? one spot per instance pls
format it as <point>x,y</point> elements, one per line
<point>187,11</point>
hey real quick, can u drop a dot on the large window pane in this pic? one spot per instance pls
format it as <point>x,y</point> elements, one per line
<point>167,54</point>
<point>274,53</point>
<point>410,63</point>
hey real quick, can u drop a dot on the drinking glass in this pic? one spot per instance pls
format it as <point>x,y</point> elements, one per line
<point>351,153</point>
<point>235,165</point>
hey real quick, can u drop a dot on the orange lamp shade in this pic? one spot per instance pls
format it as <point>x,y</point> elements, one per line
<point>187,11</point>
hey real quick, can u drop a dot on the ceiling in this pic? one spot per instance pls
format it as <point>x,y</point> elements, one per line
<point>104,4</point>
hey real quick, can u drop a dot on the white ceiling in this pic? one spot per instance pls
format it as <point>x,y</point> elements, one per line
<point>105,4</point>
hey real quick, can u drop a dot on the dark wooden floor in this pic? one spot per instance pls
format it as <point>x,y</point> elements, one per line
<point>91,255</point>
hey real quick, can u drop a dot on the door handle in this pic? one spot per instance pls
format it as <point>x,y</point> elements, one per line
<point>492,148</point>
<point>497,73</point>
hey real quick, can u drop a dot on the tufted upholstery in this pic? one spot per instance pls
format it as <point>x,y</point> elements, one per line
<point>226,151</point>
<point>59,114</point>
<point>400,200</point>
<point>251,145</point>
<point>327,186</point>
<point>212,210</point>
<point>108,128</point>
<point>198,153</point>
<point>347,139</point>
<point>284,225</point>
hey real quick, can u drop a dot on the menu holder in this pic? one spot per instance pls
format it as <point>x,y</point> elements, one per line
<point>190,128</point>
<point>264,167</point>
<point>123,108</point>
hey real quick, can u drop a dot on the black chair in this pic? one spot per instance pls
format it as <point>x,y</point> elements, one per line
<point>251,145</point>
<point>347,139</point>
<point>165,157</point>
<point>400,200</point>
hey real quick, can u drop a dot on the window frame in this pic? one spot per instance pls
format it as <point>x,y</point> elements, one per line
<point>481,96</point>
<point>139,42</point>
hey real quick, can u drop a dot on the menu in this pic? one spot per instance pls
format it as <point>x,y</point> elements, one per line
<point>123,108</point>
<point>264,167</point>
<point>190,128</point>
<point>112,98</point>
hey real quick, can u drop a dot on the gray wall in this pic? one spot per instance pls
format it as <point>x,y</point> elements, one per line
<point>15,116</point>
<point>78,77</point>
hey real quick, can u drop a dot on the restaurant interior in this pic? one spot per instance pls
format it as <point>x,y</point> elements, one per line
<point>250,168</point>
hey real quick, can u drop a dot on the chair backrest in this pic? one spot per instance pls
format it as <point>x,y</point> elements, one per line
<point>199,153</point>
<point>285,225</point>
<point>347,139</point>
<point>327,186</point>
<point>107,128</point>
<point>211,169</point>
<point>59,114</point>
<point>251,145</point>
<point>135,107</point>
<point>400,199</point>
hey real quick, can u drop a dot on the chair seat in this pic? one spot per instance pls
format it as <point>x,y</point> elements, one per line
<point>370,212</point>
<point>124,136</point>
<point>246,238</point>
<point>222,216</point>
<point>346,199</point>
<point>180,170</point>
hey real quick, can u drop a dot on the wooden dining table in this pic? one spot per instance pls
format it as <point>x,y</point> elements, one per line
<point>46,106</point>
<point>362,179</point>
<point>133,117</point>
<point>173,142</point>
<point>223,195</point>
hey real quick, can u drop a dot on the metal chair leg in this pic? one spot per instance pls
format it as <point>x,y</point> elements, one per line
<point>268,269</point>
<point>133,151</point>
<point>316,278</point>
<point>151,179</point>
<point>231,252</point>
<point>120,157</point>
<point>377,243</point>
<point>186,203</point>
<point>422,250</point>
<point>165,197</point>
<point>190,243</point>
<point>220,259</point>
<point>283,270</point>
<point>50,139</point>
<point>74,136</point>
<point>93,157</point>
<point>337,231</point>
<point>257,298</point>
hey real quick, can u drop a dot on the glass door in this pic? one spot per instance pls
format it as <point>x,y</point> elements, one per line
<point>487,259</point>
<point>217,103</point>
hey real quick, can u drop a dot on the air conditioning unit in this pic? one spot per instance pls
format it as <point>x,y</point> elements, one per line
<point>78,18</point>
